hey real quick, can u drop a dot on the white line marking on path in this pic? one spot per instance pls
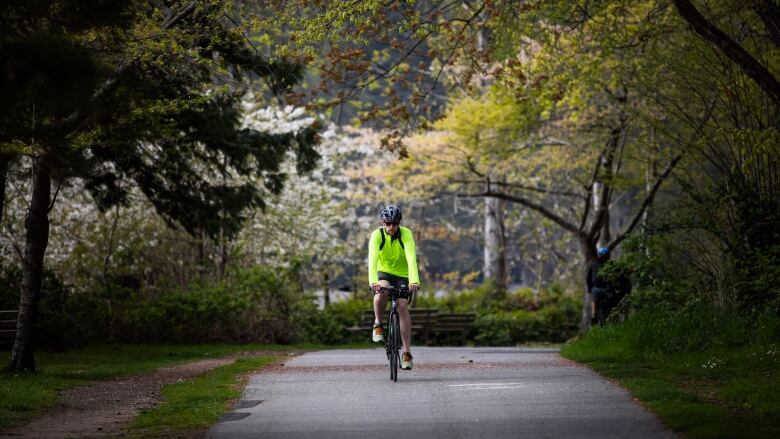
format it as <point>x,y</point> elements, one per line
<point>490,388</point>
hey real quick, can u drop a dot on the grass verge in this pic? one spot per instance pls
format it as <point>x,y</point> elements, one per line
<point>25,395</point>
<point>197,404</point>
<point>721,388</point>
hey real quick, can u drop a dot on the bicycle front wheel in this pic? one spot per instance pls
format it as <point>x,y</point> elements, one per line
<point>394,338</point>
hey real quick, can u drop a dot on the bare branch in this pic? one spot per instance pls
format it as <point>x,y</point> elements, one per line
<point>647,202</point>
<point>523,202</point>
<point>524,187</point>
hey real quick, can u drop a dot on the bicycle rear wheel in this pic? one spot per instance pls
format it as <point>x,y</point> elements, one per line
<point>394,337</point>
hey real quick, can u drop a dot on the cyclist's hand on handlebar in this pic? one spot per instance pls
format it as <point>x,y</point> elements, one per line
<point>413,288</point>
<point>375,288</point>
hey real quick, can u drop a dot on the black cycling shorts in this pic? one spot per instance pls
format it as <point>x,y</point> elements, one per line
<point>396,281</point>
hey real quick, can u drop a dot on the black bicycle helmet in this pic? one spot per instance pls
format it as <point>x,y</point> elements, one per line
<point>391,214</point>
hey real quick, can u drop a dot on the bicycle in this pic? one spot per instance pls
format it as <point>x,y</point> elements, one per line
<point>393,339</point>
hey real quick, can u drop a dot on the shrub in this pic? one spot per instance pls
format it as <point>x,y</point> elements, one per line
<point>258,305</point>
<point>516,318</point>
<point>649,334</point>
<point>64,320</point>
<point>329,326</point>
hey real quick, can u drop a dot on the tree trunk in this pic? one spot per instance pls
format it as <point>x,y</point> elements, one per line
<point>110,249</point>
<point>5,162</point>
<point>202,256</point>
<point>36,240</point>
<point>651,175</point>
<point>588,249</point>
<point>601,211</point>
<point>223,255</point>
<point>325,289</point>
<point>495,246</point>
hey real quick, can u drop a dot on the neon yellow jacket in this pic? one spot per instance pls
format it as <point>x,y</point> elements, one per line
<point>392,258</point>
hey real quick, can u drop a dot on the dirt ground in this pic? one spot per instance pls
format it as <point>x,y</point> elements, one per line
<point>101,410</point>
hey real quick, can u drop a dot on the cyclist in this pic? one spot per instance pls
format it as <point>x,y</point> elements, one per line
<point>392,260</point>
<point>604,293</point>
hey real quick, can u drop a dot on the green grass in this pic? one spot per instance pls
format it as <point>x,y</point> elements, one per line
<point>725,385</point>
<point>25,395</point>
<point>197,404</point>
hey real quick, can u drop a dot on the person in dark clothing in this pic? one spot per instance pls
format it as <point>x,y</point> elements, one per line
<point>605,295</point>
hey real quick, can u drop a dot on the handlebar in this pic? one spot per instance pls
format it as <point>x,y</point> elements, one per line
<point>393,289</point>
<point>395,293</point>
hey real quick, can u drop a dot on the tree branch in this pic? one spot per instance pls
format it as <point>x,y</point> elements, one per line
<point>523,202</point>
<point>110,84</point>
<point>523,187</point>
<point>647,202</point>
<point>730,48</point>
<point>606,191</point>
<point>589,193</point>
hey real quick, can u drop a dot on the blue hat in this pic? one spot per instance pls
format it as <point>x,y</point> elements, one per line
<point>603,251</point>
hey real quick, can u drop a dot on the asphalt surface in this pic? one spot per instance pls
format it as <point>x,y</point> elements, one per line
<point>451,393</point>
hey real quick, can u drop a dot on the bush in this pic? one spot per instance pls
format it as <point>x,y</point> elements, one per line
<point>329,326</point>
<point>648,334</point>
<point>267,305</point>
<point>64,320</point>
<point>552,323</point>
<point>516,318</point>
<point>257,305</point>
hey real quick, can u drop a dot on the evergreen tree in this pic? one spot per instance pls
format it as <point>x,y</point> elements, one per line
<point>137,93</point>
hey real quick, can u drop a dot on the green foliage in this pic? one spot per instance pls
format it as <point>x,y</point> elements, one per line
<point>673,269</point>
<point>66,319</point>
<point>649,334</point>
<point>258,305</point>
<point>705,371</point>
<point>552,323</point>
<point>329,325</point>
<point>517,318</point>
<point>139,97</point>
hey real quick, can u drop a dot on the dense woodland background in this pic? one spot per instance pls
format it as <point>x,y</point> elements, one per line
<point>193,170</point>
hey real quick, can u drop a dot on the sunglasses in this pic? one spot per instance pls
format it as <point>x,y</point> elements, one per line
<point>391,224</point>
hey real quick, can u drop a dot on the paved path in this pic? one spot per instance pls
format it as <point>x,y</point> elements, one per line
<point>451,393</point>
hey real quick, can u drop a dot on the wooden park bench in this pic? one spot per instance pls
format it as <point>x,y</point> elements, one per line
<point>422,321</point>
<point>426,323</point>
<point>452,323</point>
<point>8,327</point>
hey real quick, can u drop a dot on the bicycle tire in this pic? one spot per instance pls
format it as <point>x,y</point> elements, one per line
<point>397,350</point>
<point>393,335</point>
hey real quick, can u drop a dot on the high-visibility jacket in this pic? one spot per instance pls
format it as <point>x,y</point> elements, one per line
<point>397,256</point>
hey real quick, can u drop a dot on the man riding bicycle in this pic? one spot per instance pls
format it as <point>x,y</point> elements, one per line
<point>392,261</point>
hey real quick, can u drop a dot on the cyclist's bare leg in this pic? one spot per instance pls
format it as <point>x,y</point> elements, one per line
<point>380,302</point>
<point>406,324</point>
